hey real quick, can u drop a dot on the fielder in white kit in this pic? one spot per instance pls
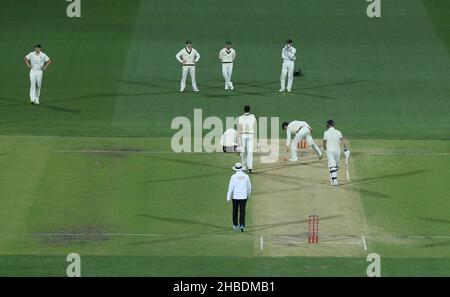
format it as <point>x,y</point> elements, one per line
<point>188,57</point>
<point>227,56</point>
<point>37,61</point>
<point>246,135</point>
<point>332,140</point>
<point>288,55</point>
<point>302,130</point>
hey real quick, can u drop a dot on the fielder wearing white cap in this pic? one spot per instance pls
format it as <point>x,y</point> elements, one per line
<point>246,136</point>
<point>240,188</point>
<point>227,56</point>
<point>188,57</point>
<point>37,61</point>
<point>301,130</point>
<point>332,140</point>
<point>288,55</point>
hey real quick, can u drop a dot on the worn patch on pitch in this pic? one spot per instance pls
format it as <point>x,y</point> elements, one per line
<point>67,236</point>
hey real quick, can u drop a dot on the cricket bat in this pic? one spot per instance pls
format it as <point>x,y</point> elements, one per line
<point>346,169</point>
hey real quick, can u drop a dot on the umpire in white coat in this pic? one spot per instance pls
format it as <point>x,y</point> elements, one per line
<point>239,189</point>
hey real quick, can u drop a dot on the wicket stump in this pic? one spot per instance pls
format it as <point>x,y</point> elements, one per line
<point>313,229</point>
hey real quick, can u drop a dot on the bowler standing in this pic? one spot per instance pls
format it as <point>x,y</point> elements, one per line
<point>240,188</point>
<point>38,62</point>
<point>246,136</point>
<point>227,56</point>
<point>188,57</point>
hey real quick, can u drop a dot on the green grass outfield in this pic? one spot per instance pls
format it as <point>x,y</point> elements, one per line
<point>90,169</point>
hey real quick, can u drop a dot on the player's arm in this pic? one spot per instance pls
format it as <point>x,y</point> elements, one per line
<point>197,57</point>
<point>27,62</point>
<point>47,63</point>
<point>230,189</point>
<point>292,52</point>
<point>288,137</point>
<point>239,132</point>
<point>178,56</point>
<point>249,187</point>
<point>221,55</point>
<point>324,144</point>
<point>233,54</point>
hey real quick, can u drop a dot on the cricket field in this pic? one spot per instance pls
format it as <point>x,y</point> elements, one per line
<point>91,170</point>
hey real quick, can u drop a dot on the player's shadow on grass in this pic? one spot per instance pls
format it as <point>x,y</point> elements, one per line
<point>218,229</point>
<point>183,161</point>
<point>442,221</point>
<point>198,176</point>
<point>182,221</point>
<point>290,180</point>
<point>386,177</point>
<point>437,244</point>
<point>59,109</point>
<point>287,223</point>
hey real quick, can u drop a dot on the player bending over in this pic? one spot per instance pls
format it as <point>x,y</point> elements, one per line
<point>301,130</point>
<point>332,140</point>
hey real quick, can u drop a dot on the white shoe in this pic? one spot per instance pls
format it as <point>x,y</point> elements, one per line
<point>196,90</point>
<point>226,87</point>
<point>36,102</point>
<point>335,182</point>
<point>289,90</point>
<point>281,90</point>
<point>181,90</point>
<point>231,87</point>
<point>320,156</point>
<point>293,160</point>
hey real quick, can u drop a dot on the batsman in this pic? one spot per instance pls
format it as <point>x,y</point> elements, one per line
<point>332,140</point>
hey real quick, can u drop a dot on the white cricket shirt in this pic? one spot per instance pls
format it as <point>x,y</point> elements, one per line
<point>227,56</point>
<point>188,57</point>
<point>247,121</point>
<point>333,138</point>
<point>288,54</point>
<point>37,61</point>
<point>293,128</point>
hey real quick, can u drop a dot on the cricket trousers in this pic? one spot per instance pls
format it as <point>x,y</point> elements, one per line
<point>303,133</point>
<point>333,163</point>
<point>239,210</point>
<point>184,72</point>
<point>35,85</point>
<point>227,71</point>
<point>247,141</point>
<point>287,69</point>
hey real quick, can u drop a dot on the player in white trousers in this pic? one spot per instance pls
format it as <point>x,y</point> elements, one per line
<point>332,140</point>
<point>227,56</point>
<point>188,57</point>
<point>37,61</point>
<point>288,55</point>
<point>246,135</point>
<point>301,130</point>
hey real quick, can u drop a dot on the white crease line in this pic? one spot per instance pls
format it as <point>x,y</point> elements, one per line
<point>261,243</point>
<point>364,243</point>
<point>206,153</point>
<point>120,152</point>
<point>402,153</point>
